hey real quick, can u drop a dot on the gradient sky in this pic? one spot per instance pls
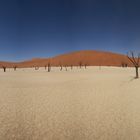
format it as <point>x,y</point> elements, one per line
<point>44,28</point>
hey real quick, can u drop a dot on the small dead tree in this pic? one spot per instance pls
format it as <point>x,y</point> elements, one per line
<point>4,68</point>
<point>49,67</point>
<point>61,67</point>
<point>135,61</point>
<point>71,67</point>
<point>45,67</point>
<point>80,64</point>
<point>85,66</point>
<point>66,68</point>
<point>124,65</point>
<point>15,68</point>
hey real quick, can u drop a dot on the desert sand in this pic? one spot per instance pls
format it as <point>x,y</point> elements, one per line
<point>97,103</point>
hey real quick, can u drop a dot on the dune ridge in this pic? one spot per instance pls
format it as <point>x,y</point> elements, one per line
<point>85,57</point>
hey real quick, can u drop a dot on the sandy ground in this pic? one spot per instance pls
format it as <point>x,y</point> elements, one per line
<point>91,104</point>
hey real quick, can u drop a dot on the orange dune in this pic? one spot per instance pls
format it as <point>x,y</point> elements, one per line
<point>86,57</point>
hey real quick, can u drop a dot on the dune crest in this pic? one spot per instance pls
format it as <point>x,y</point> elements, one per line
<point>85,57</point>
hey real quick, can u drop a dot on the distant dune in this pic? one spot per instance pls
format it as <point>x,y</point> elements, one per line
<point>7,64</point>
<point>86,57</point>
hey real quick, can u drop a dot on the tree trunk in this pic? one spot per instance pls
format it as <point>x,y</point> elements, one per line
<point>49,68</point>
<point>137,72</point>
<point>4,69</point>
<point>61,68</point>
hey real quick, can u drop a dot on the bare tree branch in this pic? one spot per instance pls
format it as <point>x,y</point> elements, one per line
<point>135,62</point>
<point>138,59</point>
<point>133,58</point>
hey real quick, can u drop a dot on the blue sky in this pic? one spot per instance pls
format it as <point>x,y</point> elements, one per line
<point>44,28</point>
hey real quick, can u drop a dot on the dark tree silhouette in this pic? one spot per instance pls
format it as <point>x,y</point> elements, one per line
<point>71,67</point>
<point>66,68</point>
<point>49,67</point>
<point>135,61</point>
<point>124,65</point>
<point>61,67</point>
<point>4,68</point>
<point>45,67</point>
<point>15,68</point>
<point>80,64</point>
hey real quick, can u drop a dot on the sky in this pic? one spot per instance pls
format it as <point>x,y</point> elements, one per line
<point>45,28</point>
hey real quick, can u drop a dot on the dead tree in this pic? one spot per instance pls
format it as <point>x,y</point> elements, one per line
<point>15,68</point>
<point>80,64</point>
<point>66,68</point>
<point>124,65</point>
<point>85,66</point>
<point>49,67</point>
<point>71,67</point>
<point>4,68</point>
<point>45,67</point>
<point>61,67</point>
<point>135,61</point>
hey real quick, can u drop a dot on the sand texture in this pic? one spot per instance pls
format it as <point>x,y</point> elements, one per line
<point>80,104</point>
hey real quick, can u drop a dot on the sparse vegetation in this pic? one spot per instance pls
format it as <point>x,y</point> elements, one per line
<point>66,68</point>
<point>61,67</point>
<point>85,66</point>
<point>49,67</point>
<point>80,64</point>
<point>45,67</point>
<point>71,67</point>
<point>124,65</point>
<point>15,68</point>
<point>4,68</point>
<point>135,61</point>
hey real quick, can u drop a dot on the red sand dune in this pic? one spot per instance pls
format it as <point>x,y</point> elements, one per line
<point>7,64</point>
<point>89,57</point>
